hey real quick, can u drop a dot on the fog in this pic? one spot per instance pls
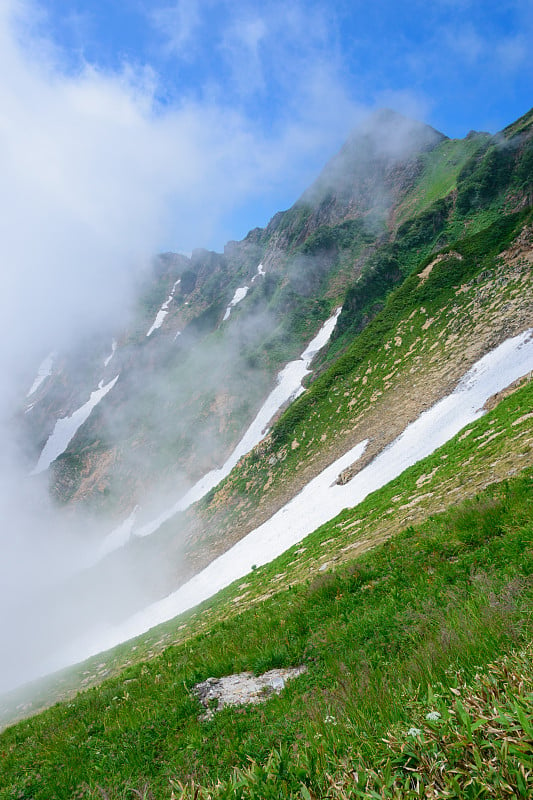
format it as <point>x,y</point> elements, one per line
<point>97,177</point>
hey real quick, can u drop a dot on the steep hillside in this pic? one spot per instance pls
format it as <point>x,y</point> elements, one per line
<point>427,245</point>
<point>432,330</point>
<point>376,644</point>
<point>212,331</point>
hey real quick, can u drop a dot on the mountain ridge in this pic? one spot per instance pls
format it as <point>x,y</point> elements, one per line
<point>383,272</point>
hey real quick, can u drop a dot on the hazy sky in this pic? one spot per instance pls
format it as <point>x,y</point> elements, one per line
<point>257,95</point>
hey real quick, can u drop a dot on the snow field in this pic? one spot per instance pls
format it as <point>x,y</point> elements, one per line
<point>322,498</point>
<point>289,386</point>
<point>66,428</point>
<point>239,295</point>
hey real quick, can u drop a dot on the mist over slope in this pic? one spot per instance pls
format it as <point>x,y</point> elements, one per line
<point>425,242</point>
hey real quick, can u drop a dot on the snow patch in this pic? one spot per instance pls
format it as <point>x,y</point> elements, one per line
<point>163,311</point>
<point>289,386</point>
<point>119,536</point>
<point>260,271</point>
<point>65,428</point>
<point>239,295</point>
<point>322,498</point>
<point>44,371</point>
<point>112,353</point>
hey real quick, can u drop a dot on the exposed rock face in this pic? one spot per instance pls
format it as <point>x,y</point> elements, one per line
<point>242,688</point>
<point>379,161</point>
<point>365,179</point>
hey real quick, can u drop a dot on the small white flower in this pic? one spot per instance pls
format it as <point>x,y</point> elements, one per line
<point>414,732</point>
<point>433,716</point>
<point>329,720</point>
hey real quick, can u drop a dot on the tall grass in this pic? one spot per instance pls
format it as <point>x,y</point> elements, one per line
<point>442,599</point>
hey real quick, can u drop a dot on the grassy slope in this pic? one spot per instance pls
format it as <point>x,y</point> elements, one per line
<point>483,304</point>
<point>426,337</point>
<point>372,633</point>
<point>420,353</point>
<point>367,633</point>
<point>441,168</point>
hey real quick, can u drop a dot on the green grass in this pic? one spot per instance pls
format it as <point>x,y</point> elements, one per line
<point>440,169</point>
<point>470,739</point>
<point>437,602</point>
<point>495,446</point>
<point>395,345</point>
<point>478,253</point>
<point>372,635</point>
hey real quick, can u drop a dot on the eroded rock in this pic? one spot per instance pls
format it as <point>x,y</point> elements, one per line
<point>242,688</point>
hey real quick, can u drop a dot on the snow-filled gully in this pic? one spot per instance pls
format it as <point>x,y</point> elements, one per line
<point>66,428</point>
<point>289,386</point>
<point>114,344</point>
<point>44,371</point>
<point>322,498</point>
<point>241,293</point>
<point>163,311</point>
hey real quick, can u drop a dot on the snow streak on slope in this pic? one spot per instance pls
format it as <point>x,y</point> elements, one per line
<point>112,353</point>
<point>322,498</point>
<point>289,386</point>
<point>45,369</point>
<point>120,535</point>
<point>260,271</point>
<point>239,295</point>
<point>66,428</point>
<point>163,311</point>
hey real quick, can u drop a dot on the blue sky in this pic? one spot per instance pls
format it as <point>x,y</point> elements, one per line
<point>456,64</point>
<point>135,126</point>
<point>465,61</point>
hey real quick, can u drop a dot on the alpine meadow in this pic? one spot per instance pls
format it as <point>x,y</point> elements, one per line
<point>292,491</point>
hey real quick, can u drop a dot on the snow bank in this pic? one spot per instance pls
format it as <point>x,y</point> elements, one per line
<point>260,271</point>
<point>289,386</point>
<point>66,428</point>
<point>44,371</point>
<point>118,538</point>
<point>322,498</point>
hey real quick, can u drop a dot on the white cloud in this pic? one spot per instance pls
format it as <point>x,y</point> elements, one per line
<point>465,42</point>
<point>177,25</point>
<point>96,176</point>
<point>242,44</point>
<point>513,53</point>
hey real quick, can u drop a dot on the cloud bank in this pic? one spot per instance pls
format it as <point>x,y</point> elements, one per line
<point>97,176</point>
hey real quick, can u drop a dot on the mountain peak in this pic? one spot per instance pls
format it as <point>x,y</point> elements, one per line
<point>397,134</point>
<point>376,163</point>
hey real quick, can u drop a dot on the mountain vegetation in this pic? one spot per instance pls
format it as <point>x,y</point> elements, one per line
<point>411,612</point>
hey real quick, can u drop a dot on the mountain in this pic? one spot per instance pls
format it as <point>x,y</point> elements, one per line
<point>309,255</point>
<point>417,249</point>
